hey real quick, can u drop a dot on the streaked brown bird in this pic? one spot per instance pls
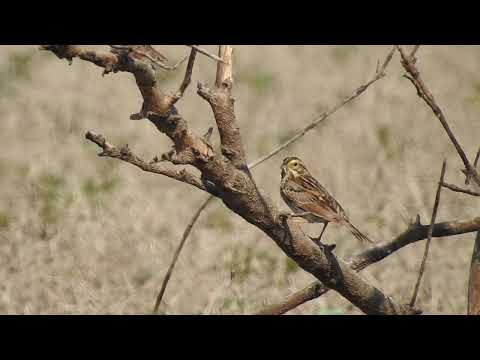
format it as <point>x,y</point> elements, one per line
<point>305,196</point>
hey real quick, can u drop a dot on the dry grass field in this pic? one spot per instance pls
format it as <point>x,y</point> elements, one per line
<point>81,234</point>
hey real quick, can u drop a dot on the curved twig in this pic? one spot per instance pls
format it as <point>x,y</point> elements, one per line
<point>424,93</point>
<point>177,253</point>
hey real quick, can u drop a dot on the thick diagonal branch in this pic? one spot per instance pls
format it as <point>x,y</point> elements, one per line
<point>416,232</point>
<point>255,208</point>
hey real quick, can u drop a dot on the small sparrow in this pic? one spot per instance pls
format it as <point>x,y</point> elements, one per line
<point>310,200</point>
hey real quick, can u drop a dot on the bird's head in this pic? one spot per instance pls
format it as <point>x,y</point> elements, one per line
<point>293,166</point>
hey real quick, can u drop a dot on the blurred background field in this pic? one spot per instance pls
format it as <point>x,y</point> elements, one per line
<point>86,235</point>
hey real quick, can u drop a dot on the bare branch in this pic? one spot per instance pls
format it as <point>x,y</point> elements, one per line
<point>185,235</point>
<point>225,68</point>
<point>474,280</point>
<point>380,73</point>
<point>222,104</point>
<point>106,60</point>
<point>242,196</point>
<point>125,154</point>
<point>429,236</point>
<point>186,80</point>
<point>424,93</point>
<point>416,232</point>
<point>206,53</point>
<point>338,275</point>
<point>188,74</point>
<point>189,148</point>
<point>458,189</point>
<point>151,54</point>
<point>477,157</point>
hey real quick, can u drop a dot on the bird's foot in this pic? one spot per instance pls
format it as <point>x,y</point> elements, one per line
<point>325,247</point>
<point>283,216</point>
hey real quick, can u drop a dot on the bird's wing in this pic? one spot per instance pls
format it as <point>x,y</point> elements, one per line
<point>312,197</point>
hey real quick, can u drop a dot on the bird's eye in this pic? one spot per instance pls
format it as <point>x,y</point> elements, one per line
<point>294,164</point>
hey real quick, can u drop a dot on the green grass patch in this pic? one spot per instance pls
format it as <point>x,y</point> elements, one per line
<point>291,266</point>
<point>18,67</point>
<point>5,220</point>
<point>51,188</point>
<point>260,81</point>
<point>94,188</point>
<point>220,219</point>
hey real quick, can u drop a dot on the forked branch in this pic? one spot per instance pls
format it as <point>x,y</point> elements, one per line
<point>408,63</point>
<point>125,154</point>
<point>416,232</point>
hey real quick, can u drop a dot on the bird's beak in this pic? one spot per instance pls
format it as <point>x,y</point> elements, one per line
<point>284,170</point>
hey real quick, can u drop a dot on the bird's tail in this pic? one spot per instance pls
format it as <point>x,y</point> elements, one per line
<point>358,234</point>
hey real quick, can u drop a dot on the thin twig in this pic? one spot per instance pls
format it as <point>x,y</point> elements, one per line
<point>188,72</point>
<point>177,253</point>
<point>414,51</point>
<point>186,79</point>
<point>158,61</point>
<point>477,157</point>
<point>459,189</point>
<point>430,232</point>
<point>424,93</point>
<point>206,53</point>
<point>174,66</point>
<point>380,73</point>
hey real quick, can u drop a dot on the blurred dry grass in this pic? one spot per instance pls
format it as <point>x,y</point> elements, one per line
<point>80,234</point>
